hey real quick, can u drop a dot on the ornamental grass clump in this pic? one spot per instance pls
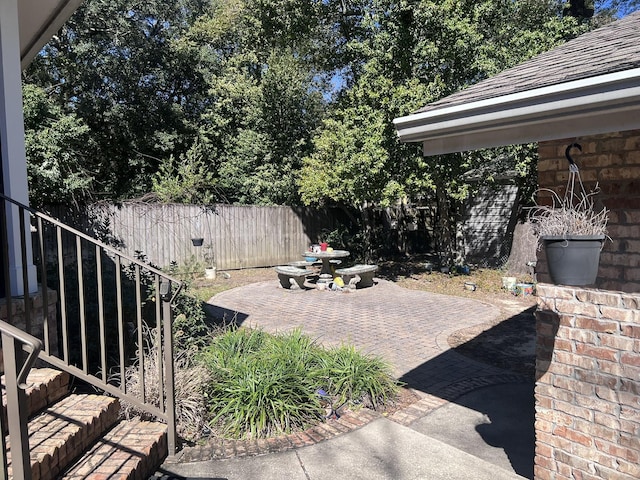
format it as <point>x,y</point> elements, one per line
<point>265,385</point>
<point>574,214</point>
<point>358,378</point>
<point>190,379</point>
<point>261,385</point>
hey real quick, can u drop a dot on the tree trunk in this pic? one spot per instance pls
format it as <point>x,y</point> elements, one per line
<point>523,250</point>
<point>368,229</point>
<point>445,229</point>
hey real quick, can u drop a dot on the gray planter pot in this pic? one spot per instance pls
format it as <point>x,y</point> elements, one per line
<point>573,259</point>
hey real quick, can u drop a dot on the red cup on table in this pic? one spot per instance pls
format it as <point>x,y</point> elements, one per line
<point>323,247</point>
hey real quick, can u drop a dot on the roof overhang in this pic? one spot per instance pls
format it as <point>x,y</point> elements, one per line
<point>602,104</point>
<point>39,20</point>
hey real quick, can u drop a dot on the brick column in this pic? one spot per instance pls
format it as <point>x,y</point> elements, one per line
<point>587,384</point>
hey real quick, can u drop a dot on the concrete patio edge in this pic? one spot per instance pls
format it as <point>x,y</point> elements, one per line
<point>224,448</point>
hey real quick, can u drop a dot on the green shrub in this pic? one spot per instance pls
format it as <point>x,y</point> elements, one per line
<point>264,385</point>
<point>358,378</point>
<point>192,269</point>
<point>190,322</point>
<point>190,319</point>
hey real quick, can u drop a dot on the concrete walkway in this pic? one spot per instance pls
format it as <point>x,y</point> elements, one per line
<point>473,421</point>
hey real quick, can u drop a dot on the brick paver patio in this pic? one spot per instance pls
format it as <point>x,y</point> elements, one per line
<point>407,328</point>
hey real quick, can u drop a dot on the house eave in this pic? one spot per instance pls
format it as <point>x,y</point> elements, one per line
<point>39,21</point>
<point>589,106</point>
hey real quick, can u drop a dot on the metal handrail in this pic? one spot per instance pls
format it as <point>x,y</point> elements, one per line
<point>15,384</point>
<point>101,294</point>
<point>33,346</point>
<point>89,238</point>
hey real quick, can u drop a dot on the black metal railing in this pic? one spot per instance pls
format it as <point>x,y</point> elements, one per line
<point>97,312</point>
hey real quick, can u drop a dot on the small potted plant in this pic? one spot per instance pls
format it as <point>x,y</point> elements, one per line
<point>571,230</point>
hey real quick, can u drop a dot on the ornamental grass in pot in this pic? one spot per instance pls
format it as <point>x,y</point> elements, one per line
<point>572,230</point>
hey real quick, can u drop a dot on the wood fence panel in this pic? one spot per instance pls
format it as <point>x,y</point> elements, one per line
<point>241,236</point>
<point>488,224</point>
<point>238,236</point>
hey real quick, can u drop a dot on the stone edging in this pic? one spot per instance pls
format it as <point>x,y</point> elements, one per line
<point>218,448</point>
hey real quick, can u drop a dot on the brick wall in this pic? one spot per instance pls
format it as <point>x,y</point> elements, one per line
<point>37,312</point>
<point>612,161</point>
<point>587,384</point>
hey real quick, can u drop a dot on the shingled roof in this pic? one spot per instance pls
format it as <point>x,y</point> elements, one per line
<point>612,48</point>
<point>568,91</point>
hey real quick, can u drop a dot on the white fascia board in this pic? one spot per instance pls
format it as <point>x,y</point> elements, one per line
<point>39,22</point>
<point>589,106</point>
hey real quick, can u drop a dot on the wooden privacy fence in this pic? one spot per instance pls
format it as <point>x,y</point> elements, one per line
<point>237,236</point>
<point>246,236</point>
<point>488,223</point>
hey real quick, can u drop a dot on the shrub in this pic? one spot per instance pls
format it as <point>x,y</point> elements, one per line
<point>264,385</point>
<point>190,319</point>
<point>190,322</point>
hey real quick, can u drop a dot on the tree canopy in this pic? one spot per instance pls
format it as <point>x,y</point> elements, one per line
<point>272,101</point>
<point>416,53</point>
<point>114,66</point>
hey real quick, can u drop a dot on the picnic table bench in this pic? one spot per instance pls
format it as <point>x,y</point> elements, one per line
<point>292,277</point>
<point>365,272</point>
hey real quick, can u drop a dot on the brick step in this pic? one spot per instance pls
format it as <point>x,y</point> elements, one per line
<point>79,430</point>
<point>46,386</point>
<point>132,450</point>
<point>62,432</point>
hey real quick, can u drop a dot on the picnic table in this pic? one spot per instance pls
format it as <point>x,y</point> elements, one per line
<point>326,258</point>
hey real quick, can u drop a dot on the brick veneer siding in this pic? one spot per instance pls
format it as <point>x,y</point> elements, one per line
<point>612,161</point>
<point>587,384</point>
<point>38,310</point>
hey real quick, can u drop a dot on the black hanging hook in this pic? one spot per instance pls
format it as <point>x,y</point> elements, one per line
<point>568,155</point>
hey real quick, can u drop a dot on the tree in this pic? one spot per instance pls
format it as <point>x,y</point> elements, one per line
<point>185,180</point>
<point>114,65</point>
<point>415,53</point>
<point>603,10</point>
<point>257,86</point>
<point>266,95</point>
<point>59,147</point>
<point>578,9</point>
